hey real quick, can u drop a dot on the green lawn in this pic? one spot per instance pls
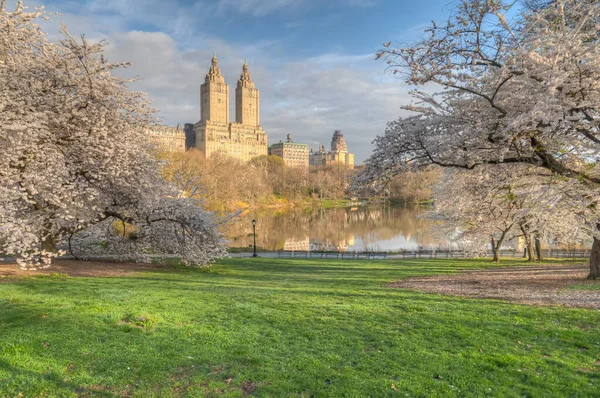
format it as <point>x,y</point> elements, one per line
<point>595,285</point>
<point>281,328</point>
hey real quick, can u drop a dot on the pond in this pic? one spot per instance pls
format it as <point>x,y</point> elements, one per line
<point>381,228</point>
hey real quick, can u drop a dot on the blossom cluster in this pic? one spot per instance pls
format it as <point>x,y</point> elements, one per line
<point>74,158</point>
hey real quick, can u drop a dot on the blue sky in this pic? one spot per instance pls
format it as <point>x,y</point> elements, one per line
<point>314,61</point>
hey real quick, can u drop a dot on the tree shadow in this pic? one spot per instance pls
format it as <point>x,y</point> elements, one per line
<point>55,379</point>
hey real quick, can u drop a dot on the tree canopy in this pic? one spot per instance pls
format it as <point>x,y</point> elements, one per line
<point>74,158</point>
<point>522,90</point>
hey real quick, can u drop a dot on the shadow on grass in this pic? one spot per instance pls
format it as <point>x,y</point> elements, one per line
<point>53,378</point>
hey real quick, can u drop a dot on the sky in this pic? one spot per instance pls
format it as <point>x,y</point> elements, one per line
<point>312,60</point>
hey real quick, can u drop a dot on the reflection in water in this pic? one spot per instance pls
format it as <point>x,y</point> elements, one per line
<point>366,228</point>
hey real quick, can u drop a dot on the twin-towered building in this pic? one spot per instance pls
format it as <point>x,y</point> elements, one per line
<point>243,139</point>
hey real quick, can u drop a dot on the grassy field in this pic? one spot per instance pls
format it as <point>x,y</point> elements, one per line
<point>280,328</point>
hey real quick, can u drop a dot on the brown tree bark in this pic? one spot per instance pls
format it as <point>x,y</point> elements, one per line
<point>538,248</point>
<point>496,244</point>
<point>595,260</point>
<point>496,250</point>
<point>529,242</point>
<point>530,251</point>
<point>49,245</point>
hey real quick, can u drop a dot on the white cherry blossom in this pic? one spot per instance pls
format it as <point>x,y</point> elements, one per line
<point>519,90</point>
<point>74,158</point>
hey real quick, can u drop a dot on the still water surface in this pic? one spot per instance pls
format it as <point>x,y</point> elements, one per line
<point>364,228</point>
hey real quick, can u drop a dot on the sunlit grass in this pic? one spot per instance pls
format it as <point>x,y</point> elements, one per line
<point>273,327</point>
<point>589,285</point>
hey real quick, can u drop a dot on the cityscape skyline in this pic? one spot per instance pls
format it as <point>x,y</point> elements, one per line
<point>316,70</point>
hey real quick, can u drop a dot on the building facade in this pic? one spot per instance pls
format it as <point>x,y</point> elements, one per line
<point>317,158</point>
<point>168,139</point>
<point>243,139</point>
<point>294,154</point>
<point>339,153</point>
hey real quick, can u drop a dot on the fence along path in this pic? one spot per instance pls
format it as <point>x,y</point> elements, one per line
<point>425,253</point>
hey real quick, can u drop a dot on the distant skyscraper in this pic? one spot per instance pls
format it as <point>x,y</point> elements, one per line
<point>338,142</point>
<point>243,139</point>
<point>339,153</point>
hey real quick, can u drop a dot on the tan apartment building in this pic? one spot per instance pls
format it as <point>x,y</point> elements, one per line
<point>244,139</point>
<point>168,139</point>
<point>338,155</point>
<point>294,154</point>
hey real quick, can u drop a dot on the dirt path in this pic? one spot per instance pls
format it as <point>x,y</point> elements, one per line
<point>81,268</point>
<point>535,285</point>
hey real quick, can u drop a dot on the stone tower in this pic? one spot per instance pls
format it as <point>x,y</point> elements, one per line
<point>214,96</point>
<point>243,139</point>
<point>338,142</point>
<point>247,100</point>
<point>339,153</point>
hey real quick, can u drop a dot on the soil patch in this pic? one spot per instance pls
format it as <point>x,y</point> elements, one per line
<point>533,285</point>
<point>81,269</point>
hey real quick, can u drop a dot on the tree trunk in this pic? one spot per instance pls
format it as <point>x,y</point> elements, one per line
<point>48,245</point>
<point>530,252</point>
<point>497,244</point>
<point>496,250</point>
<point>595,260</point>
<point>538,248</point>
<point>529,243</point>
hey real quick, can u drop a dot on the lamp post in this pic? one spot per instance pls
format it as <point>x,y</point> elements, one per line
<point>254,234</point>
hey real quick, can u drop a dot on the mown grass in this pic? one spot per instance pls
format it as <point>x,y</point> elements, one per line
<point>590,285</point>
<point>280,328</point>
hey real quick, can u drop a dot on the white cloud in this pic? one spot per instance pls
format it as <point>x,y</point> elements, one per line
<point>359,3</point>
<point>261,8</point>
<point>256,7</point>
<point>293,24</point>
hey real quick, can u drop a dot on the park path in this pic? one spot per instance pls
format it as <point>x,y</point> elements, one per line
<point>545,284</point>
